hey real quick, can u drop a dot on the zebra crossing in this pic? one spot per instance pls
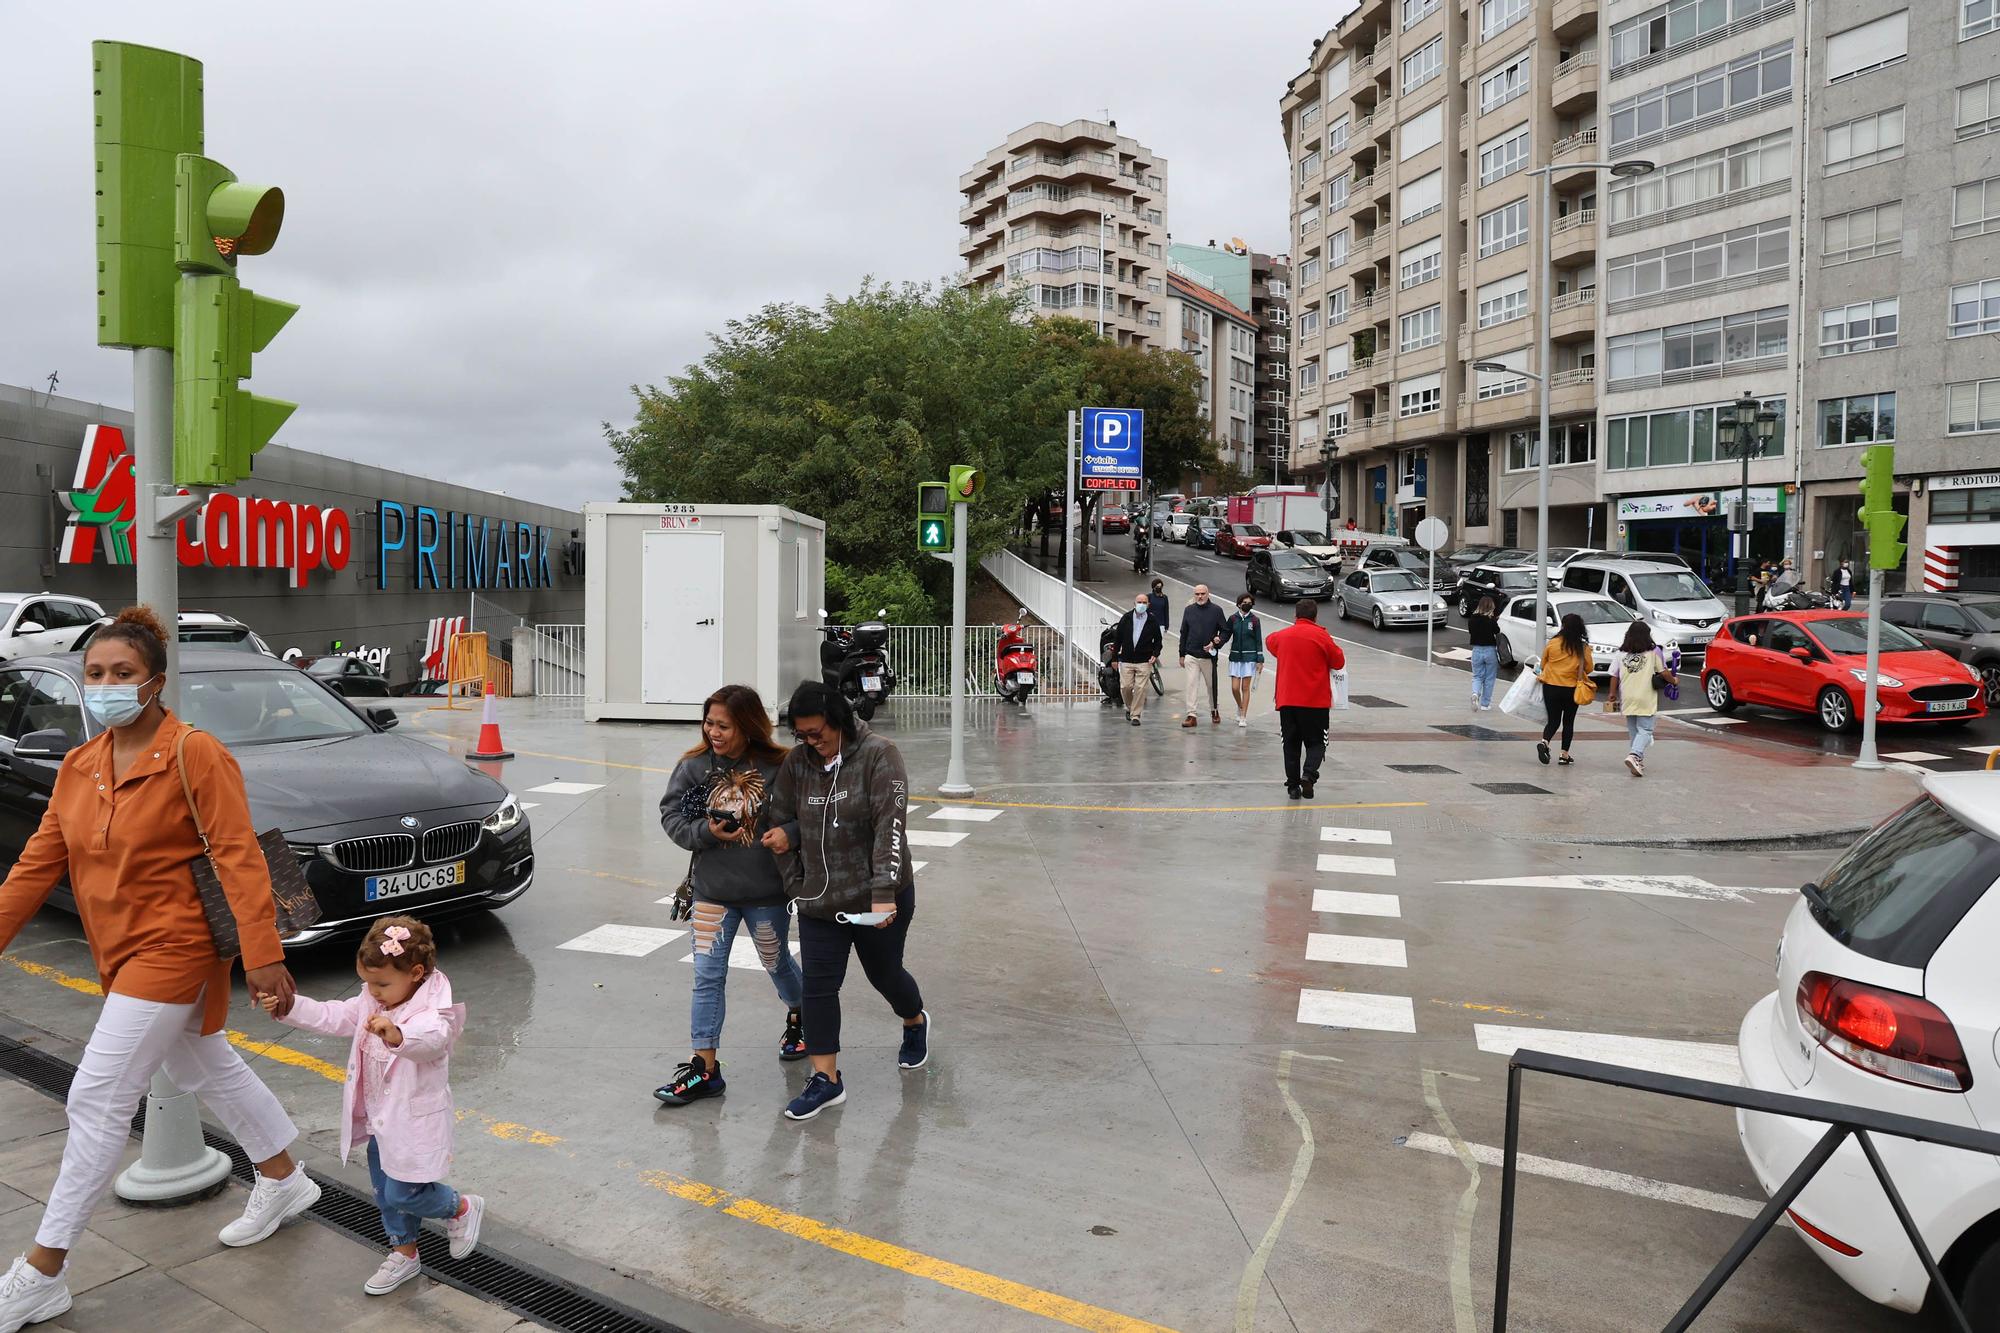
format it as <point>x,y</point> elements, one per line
<point>1346,1008</point>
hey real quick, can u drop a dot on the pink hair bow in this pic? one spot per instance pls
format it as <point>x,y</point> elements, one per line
<point>392,941</point>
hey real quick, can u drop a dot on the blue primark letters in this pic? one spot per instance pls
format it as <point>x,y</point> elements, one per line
<point>453,550</point>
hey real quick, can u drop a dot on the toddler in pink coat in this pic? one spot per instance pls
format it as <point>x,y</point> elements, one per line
<point>398,1092</point>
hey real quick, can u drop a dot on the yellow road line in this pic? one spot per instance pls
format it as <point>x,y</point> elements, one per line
<point>1294,806</point>
<point>1000,1290</point>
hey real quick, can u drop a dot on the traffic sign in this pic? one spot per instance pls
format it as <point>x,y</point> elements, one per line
<point>1433,533</point>
<point>1111,483</point>
<point>1114,446</point>
<point>933,534</point>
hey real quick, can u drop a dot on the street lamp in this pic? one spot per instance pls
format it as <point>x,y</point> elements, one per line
<point>1745,431</point>
<point>1629,167</point>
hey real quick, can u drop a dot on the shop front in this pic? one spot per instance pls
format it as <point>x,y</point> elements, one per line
<point>1695,526</point>
<point>1961,537</point>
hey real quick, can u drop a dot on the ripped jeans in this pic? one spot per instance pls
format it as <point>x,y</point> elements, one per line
<point>714,933</point>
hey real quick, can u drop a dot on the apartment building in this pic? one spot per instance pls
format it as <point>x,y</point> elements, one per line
<point>1221,337</point>
<point>1076,214</point>
<point>1902,284</point>
<point>1261,284</point>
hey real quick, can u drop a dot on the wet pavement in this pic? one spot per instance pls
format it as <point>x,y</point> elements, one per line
<point>1204,1057</point>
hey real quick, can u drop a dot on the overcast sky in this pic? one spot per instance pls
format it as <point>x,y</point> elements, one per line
<point>501,215</point>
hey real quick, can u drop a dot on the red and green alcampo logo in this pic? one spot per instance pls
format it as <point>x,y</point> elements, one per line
<point>101,500</point>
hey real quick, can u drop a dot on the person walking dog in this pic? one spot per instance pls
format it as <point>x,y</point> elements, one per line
<point>1203,627</point>
<point>1246,654</point>
<point>120,826</point>
<point>1137,644</point>
<point>1307,657</point>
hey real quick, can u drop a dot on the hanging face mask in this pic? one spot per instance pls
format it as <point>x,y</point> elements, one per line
<point>114,705</point>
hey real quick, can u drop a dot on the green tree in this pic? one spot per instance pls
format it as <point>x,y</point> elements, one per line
<point>840,410</point>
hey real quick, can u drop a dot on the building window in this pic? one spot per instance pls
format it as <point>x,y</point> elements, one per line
<point>1309,166</point>
<point>1478,471</point>
<point>1336,245</point>
<point>1336,305</point>
<point>1309,322</point>
<point>1975,308</point>
<point>1879,42</point>
<point>1863,142</point>
<point>1415,11</point>
<point>1865,326</point>
<point>1308,117</point>
<point>1336,191</point>
<point>1972,406</point>
<point>1692,182</point>
<point>1973,504</point>
<point>1421,197</point>
<point>1975,208</point>
<point>1421,263</point>
<point>1864,233</point>
<point>1717,94</point>
<point>1421,328</point>
<point>1502,301</point>
<point>1868,418</point>
<point>1505,84</point>
<point>1496,16</point>
<point>1725,259</point>
<point>1503,156</point>
<point>1336,135</point>
<point>1423,64</point>
<point>1504,228</point>
<point>1669,439</point>
<point>1495,384</point>
<point>1979,108</point>
<point>1700,350</point>
<point>1308,374</point>
<point>1422,394</point>
<point>1420,133</point>
<point>1308,272</point>
<point>1308,221</point>
<point>1681,24</point>
<point>1573,442</point>
<point>1978,17</point>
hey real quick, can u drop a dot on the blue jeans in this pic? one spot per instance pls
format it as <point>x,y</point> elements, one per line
<point>1847,597</point>
<point>714,932</point>
<point>1640,731</point>
<point>404,1204</point>
<point>1485,671</point>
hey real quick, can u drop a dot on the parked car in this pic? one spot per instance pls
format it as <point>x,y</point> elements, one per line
<point>1286,575</point>
<point>349,676</point>
<point>1389,597</point>
<point>1116,520</point>
<point>1465,557</point>
<point>381,823</point>
<point>199,629</point>
<point>1560,556</point>
<point>1240,539</point>
<point>1499,582</point>
<point>1815,662</point>
<point>1382,556</point>
<point>1965,625</point>
<point>1675,602</point>
<point>32,623</point>
<point>1886,1000</point>
<point>1604,626</point>
<point>1175,527</point>
<point>1202,531</point>
<point>420,689</point>
<point>1308,541</point>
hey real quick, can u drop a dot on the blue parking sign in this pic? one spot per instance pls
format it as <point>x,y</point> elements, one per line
<point>1114,448</point>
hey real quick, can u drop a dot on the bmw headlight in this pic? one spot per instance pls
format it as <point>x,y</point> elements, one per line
<point>506,817</point>
<point>1880,680</point>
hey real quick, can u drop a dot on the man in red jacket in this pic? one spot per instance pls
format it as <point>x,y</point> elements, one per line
<point>1306,656</point>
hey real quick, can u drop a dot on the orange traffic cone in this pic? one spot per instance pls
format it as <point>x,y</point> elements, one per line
<point>490,745</point>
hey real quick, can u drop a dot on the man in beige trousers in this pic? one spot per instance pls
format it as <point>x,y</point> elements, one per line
<point>1203,627</point>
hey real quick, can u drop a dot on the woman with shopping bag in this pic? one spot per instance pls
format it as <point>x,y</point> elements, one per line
<point>1639,678</point>
<point>1565,676</point>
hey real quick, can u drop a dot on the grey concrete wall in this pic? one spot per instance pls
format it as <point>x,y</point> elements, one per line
<point>41,438</point>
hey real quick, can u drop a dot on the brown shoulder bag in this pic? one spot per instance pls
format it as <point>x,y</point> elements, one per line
<point>293,898</point>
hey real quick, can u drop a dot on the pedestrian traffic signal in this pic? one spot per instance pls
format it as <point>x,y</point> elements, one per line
<point>1878,508</point>
<point>147,112</point>
<point>966,483</point>
<point>933,516</point>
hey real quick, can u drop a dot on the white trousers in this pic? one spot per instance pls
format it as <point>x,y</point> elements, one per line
<point>133,1040</point>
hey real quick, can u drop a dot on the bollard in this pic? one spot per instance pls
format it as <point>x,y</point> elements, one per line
<point>176,1165</point>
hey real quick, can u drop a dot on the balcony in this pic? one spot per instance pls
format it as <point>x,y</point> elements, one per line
<point>1574,17</point>
<point>1573,391</point>
<point>1575,84</point>
<point>1516,404</point>
<point>1573,315</point>
<point>1569,151</point>
<point>1574,236</point>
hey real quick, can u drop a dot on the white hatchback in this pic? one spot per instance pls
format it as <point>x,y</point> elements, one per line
<point>35,623</point>
<point>1888,997</point>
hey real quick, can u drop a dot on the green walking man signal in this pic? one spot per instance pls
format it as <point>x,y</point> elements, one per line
<point>1878,507</point>
<point>933,516</point>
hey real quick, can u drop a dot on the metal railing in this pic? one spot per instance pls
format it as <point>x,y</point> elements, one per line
<point>920,655</point>
<point>558,662</point>
<point>1842,1121</point>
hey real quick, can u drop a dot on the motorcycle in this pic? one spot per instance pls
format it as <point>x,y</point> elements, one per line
<point>1794,596</point>
<point>1014,663</point>
<point>854,659</point>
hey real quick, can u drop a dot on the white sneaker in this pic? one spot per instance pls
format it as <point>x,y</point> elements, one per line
<point>1632,762</point>
<point>396,1269</point>
<point>27,1297</point>
<point>464,1229</point>
<point>1242,721</point>
<point>271,1203</point>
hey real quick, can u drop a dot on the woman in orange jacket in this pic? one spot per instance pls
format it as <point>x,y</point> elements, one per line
<point>118,825</point>
<point>1566,663</point>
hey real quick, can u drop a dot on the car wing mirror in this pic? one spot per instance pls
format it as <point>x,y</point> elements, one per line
<point>384,718</point>
<point>38,755</point>
<point>29,627</point>
<point>1803,654</point>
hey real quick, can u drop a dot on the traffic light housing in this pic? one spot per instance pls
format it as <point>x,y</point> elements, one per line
<point>147,109</point>
<point>933,516</point>
<point>1878,508</point>
<point>966,483</point>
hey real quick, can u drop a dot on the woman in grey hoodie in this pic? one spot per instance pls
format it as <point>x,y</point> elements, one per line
<point>715,807</point>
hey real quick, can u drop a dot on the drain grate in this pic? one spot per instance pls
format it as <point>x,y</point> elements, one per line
<point>1419,768</point>
<point>519,1288</point>
<point>1373,701</point>
<point>1472,731</point>
<point>1513,788</point>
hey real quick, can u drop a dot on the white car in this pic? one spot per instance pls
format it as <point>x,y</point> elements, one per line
<point>1604,626</point>
<point>1176,525</point>
<point>1888,998</point>
<point>1679,606</point>
<point>35,623</point>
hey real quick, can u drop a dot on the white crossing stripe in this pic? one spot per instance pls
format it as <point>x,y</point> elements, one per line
<point>1651,886</point>
<point>915,866</point>
<point>1718,721</point>
<point>1979,749</point>
<point>1357,904</point>
<point>566,788</point>
<point>1334,863</point>
<point>531,805</point>
<point>966,813</point>
<point>1578,1174</point>
<point>1453,654</point>
<point>924,837</point>
<point>1352,1009</point>
<point>630,941</point>
<point>743,951</point>
<point>1690,1059</point>
<point>1378,836</point>
<point>1363,949</point>
<point>1917,757</point>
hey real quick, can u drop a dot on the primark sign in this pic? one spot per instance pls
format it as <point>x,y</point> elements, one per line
<point>448,549</point>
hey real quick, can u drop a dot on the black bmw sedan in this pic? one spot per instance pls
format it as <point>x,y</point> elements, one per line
<point>381,823</point>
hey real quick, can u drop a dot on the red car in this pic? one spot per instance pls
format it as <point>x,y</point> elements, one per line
<point>1240,539</point>
<point>1816,662</point>
<point>1117,520</point>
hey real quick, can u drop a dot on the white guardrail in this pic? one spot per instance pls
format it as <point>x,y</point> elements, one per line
<point>1073,672</point>
<point>557,662</point>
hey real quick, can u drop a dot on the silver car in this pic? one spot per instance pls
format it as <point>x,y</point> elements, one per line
<point>1389,597</point>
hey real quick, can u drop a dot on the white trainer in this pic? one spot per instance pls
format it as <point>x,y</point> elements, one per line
<point>27,1297</point>
<point>463,1230</point>
<point>396,1269</point>
<point>272,1202</point>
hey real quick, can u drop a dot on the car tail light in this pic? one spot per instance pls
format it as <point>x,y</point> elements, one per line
<point>1833,1243</point>
<point>1885,1032</point>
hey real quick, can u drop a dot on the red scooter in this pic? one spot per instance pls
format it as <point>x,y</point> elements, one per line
<point>1014,664</point>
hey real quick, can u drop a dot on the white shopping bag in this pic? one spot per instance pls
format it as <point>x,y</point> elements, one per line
<point>1524,699</point>
<point>1339,689</point>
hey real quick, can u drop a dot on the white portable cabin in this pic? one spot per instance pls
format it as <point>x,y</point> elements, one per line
<point>680,599</point>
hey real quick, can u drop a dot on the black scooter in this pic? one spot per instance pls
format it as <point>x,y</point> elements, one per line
<point>854,659</point>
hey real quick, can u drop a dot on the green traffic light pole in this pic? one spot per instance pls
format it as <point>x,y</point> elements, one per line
<point>1885,550</point>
